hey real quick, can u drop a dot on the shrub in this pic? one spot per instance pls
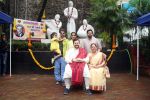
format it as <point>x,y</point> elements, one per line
<point>23,46</point>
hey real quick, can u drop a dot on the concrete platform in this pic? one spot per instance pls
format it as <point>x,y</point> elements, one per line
<point>42,87</point>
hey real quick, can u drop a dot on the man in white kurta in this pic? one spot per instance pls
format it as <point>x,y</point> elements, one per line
<point>71,56</point>
<point>82,31</point>
<point>53,25</point>
<point>71,13</point>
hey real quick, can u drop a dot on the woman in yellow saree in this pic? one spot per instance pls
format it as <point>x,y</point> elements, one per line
<point>98,69</point>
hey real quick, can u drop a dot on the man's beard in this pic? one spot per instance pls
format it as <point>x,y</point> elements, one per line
<point>76,46</point>
<point>89,37</point>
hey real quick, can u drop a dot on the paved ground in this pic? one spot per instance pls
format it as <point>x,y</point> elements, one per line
<point>42,87</point>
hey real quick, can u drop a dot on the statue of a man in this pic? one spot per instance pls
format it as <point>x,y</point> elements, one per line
<point>82,31</point>
<point>53,25</point>
<point>71,13</point>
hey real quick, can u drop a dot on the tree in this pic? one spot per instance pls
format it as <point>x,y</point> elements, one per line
<point>142,7</point>
<point>109,17</point>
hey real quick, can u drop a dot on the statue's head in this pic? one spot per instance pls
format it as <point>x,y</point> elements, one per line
<point>85,22</point>
<point>57,17</point>
<point>70,3</point>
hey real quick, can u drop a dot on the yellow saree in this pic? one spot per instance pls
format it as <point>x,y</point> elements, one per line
<point>98,71</point>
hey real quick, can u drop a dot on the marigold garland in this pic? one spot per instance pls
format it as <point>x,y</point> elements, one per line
<point>129,59</point>
<point>46,68</point>
<point>112,51</point>
<point>49,68</point>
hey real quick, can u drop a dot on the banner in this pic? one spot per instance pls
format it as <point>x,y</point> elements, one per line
<point>26,27</point>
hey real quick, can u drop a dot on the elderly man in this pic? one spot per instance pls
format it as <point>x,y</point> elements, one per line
<point>20,30</point>
<point>76,68</point>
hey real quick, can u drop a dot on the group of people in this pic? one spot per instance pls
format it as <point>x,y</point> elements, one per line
<point>3,54</point>
<point>79,62</point>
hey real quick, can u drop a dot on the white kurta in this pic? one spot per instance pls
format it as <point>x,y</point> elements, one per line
<point>71,54</point>
<point>71,13</point>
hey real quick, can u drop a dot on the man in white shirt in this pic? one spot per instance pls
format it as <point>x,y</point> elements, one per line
<point>76,68</point>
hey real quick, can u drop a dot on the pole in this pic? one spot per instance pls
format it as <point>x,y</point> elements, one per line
<point>26,11</point>
<point>137,54</point>
<point>10,49</point>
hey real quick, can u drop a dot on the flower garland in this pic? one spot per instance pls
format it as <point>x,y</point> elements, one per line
<point>84,28</point>
<point>57,23</point>
<point>112,51</point>
<point>46,68</point>
<point>130,59</point>
<point>49,68</point>
<point>70,15</point>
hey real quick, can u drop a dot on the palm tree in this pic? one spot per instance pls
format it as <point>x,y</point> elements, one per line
<point>142,6</point>
<point>108,17</point>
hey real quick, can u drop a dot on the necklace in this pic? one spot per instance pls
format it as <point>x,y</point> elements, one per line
<point>57,23</point>
<point>69,15</point>
<point>85,27</point>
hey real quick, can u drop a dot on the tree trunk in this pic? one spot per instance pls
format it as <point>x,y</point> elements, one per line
<point>42,10</point>
<point>113,41</point>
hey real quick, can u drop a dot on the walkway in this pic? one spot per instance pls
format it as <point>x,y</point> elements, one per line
<point>42,87</point>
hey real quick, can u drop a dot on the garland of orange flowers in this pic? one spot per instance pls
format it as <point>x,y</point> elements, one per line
<point>112,51</point>
<point>33,57</point>
<point>49,68</point>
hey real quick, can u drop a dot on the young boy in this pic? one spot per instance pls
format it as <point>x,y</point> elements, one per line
<point>59,61</point>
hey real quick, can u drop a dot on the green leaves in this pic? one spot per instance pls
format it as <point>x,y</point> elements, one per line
<point>107,16</point>
<point>142,7</point>
<point>23,46</point>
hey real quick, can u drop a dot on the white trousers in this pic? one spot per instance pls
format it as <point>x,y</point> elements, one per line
<point>68,71</point>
